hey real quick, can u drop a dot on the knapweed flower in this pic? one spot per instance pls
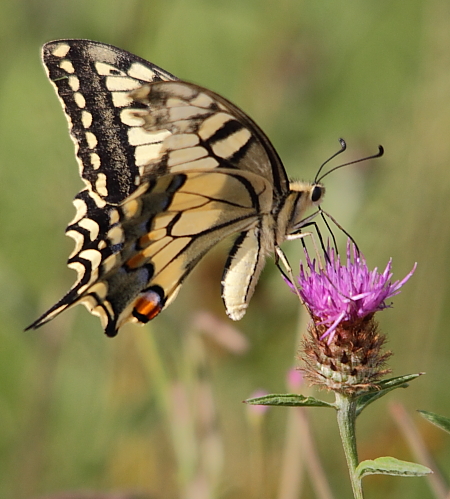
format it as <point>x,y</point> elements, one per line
<point>344,347</point>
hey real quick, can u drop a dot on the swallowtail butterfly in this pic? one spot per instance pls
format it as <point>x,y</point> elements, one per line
<point>170,169</point>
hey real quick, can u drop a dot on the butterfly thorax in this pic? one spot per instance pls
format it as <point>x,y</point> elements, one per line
<point>302,198</point>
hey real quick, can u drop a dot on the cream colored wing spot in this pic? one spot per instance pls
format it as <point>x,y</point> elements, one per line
<point>80,101</point>
<point>99,202</point>
<point>138,136</point>
<point>116,235</point>
<point>94,256</point>
<point>121,84</point>
<point>144,154</point>
<point>61,50</point>
<point>91,140</point>
<point>95,160</point>
<point>148,144</point>
<point>141,72</point>
<point>210,126</point>
<point>74,83</point>
<point>80,270</point>
<point>131,118</point>
<point>121,99</point>
<point>81,210</point>
<point>114,216</point>
<point>67,66</point>
<point>230,145</point>
<point>100,185</point>
<point>79,241</point>
<point>91,226</point>
<point>86,118</point>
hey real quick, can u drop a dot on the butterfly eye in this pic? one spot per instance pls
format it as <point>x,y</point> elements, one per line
<point>317,193</point>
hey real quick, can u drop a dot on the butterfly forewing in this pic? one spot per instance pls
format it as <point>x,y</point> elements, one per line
<point>170,169</point>
<point>93,81</point>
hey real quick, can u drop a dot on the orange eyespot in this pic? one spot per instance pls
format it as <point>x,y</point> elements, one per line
<point>148,306</point>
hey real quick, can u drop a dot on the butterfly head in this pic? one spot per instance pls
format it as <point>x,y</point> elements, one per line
<point>303,197</point>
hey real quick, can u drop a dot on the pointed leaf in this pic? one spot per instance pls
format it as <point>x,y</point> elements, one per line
<point>440,421</point>
<point>384,387</point>
<point>288,400</point>
<point>390,466</point>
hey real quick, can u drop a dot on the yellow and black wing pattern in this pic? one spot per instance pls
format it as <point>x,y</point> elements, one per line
<point>170,170</point>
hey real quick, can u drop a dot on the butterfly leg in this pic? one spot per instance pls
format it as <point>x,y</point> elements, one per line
<point>339,226</point>
<point>281,258</point>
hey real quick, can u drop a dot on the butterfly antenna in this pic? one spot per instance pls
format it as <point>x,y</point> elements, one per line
<point>377,155</point>
<point>342,149</point>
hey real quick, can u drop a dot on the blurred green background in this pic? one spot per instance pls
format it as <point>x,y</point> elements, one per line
<point>157,411</point>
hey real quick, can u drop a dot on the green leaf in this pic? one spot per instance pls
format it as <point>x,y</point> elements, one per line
<point>385,386</point>
<point>288,400</point>
<point>440,421</point>
<point>390,466</point>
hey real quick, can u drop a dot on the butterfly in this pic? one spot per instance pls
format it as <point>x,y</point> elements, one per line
<point>170,169</point>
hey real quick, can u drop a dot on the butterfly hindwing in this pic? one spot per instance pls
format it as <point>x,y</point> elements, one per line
<point>243,268</point>
<point>157,236</point>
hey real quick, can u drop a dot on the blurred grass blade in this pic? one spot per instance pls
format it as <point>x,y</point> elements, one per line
<point>440,421</point>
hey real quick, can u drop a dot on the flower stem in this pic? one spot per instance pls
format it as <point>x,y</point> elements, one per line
<point>346,417</point>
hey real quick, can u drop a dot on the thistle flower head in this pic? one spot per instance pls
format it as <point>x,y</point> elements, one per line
<point>344,346</point>
<point>347,292</point>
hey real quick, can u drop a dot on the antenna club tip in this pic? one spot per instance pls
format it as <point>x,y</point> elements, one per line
<point>380,150</point>
<point>343,144</point>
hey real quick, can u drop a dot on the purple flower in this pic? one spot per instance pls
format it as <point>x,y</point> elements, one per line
<point>345,293</point>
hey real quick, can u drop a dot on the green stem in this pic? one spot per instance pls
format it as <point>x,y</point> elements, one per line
<point>346,417</point>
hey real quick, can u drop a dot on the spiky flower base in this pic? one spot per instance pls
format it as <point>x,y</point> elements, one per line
<point>352,362</point>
